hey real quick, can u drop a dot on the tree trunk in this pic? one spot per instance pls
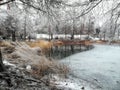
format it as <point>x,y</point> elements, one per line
<point>2,68</point>
<point>13,36</point>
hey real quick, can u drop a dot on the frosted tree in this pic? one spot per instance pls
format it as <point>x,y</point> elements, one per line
<point>11,23</point>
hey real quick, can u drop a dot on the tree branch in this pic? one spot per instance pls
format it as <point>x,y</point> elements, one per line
<point>89,9</point>
<point>3,3</point>
<point>37,8</point>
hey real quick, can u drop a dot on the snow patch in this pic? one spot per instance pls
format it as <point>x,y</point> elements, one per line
<point>7,63</point>
<point>70,84</point>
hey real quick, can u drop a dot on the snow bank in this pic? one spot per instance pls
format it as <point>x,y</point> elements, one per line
<point>42,36</point>
<point>70,84</point>
<point>61,36</point>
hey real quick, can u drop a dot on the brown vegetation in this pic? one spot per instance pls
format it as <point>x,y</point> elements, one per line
<point>23,55</point>
<point>100,41</point>
<point>58,43</point>
<point>49,67</point>
<point>40,43</point>
<point>5,44</point>
<point>44,45</point>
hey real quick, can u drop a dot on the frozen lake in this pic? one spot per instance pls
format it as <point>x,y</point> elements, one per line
<point>99,67</point>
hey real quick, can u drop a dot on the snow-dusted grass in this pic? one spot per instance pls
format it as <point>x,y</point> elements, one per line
<point>33,61</point>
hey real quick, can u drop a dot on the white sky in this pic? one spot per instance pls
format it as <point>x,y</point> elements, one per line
<point>100,11</point>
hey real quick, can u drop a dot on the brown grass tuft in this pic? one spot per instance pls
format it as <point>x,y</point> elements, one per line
<point>5,44</point>
<point>46,67</point>
<point>40,43</point>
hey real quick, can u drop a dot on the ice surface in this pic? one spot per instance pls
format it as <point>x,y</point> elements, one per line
<point>99,66</point>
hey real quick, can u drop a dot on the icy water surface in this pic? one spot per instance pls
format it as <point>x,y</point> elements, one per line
<point>99,67</point>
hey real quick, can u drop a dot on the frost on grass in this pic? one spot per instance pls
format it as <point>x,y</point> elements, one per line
<point>32,59</point>
<point>23,54</point>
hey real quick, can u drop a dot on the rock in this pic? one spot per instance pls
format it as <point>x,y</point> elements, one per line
<point>83,88</point>
<point>28,67</point>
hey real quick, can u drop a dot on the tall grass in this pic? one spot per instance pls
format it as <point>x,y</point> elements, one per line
<point>46,67</point>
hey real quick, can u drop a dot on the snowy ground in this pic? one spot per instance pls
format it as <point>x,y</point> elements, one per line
<point>97,69</point>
